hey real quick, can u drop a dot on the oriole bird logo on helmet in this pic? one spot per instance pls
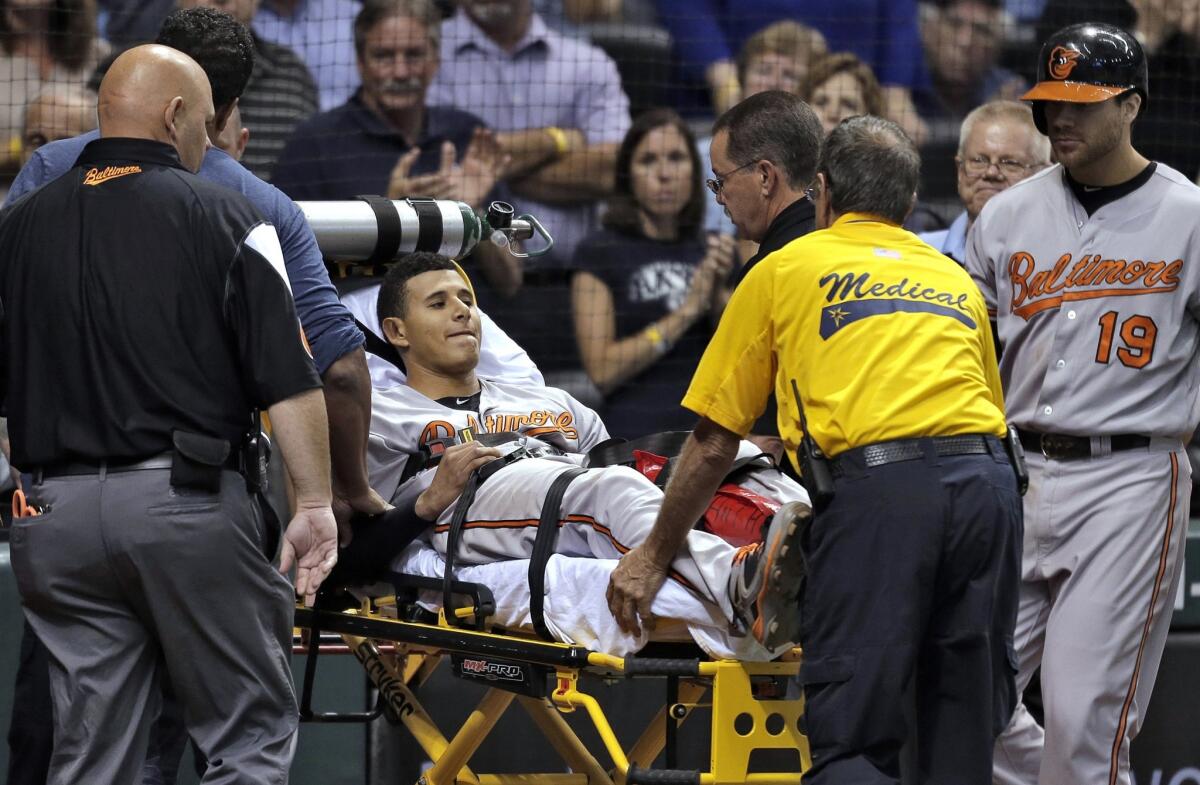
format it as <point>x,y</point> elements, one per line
<point>1062,62</point>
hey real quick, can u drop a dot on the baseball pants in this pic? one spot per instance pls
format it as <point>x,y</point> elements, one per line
<point>605,513</point>
<point>1104,540</point>
<point>912,577</point>
<point>125,574</point>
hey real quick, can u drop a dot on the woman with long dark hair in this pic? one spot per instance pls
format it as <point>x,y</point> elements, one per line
<point>645,285</point>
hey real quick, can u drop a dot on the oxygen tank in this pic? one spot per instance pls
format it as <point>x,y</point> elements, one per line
<point>374,230</point>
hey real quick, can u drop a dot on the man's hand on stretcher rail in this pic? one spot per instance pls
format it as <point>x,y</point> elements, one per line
<point>453,469</point>
<point>707,455</point>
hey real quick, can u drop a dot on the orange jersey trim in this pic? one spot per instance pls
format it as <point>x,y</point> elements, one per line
<point>1164,551</point>
<point>1034,308</point>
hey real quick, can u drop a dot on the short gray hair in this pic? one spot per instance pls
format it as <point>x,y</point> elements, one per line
<point>1014,112</point>
<point>871,166</point>
<point>774,126</point>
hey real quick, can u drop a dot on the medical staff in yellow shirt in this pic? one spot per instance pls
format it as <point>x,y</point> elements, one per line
<point>913,562</point>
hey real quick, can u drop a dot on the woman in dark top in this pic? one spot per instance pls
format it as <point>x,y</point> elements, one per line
<point>644,288</point>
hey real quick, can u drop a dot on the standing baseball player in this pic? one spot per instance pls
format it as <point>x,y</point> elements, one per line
<point>1093,269</point>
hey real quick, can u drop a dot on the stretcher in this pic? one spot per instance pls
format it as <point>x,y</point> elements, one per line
<point>400,641</point>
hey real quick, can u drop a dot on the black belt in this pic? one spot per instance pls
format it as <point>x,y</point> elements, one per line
<point>883,453</point>
<point>84,468</point>
<point>1061,447</point>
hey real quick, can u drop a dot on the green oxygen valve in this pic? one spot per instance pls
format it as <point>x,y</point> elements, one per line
<point>374,230</point>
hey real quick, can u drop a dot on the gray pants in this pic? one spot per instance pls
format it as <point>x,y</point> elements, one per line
<point>125,572</point>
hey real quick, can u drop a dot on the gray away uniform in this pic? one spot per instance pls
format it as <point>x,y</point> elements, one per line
<point>1098,321</point>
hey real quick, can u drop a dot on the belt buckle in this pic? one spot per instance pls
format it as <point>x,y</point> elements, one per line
<point>1053,448</point>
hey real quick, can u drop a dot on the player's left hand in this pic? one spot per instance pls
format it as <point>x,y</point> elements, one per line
<point>631,590</point>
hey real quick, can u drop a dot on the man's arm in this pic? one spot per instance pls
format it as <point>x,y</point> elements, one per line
<point>348,402</point>
<point>700,468</point>
<point>301,430</point>
<point>576,177</point>
<point>337,351</point>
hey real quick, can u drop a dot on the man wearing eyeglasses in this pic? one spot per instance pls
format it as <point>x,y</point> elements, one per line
<point>998,146</point>
<point>764,156</point>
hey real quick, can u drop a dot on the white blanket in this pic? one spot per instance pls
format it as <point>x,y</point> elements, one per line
<point>575,608</point>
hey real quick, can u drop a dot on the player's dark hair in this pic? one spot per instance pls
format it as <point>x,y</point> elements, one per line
<point>393,293</point>
<point>375,11</point>
<point>623,213</point>
<point>219,43</point>
<point>774,126</point>
<point>872,167</point>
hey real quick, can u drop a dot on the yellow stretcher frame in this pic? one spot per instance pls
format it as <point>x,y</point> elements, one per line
<point>399,656</point>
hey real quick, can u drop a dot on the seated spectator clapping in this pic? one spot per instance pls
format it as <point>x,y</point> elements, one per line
<point>645,285</point>
<point>386,141</point>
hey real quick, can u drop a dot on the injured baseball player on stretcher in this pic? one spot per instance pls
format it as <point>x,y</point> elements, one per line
<point>429,433</point>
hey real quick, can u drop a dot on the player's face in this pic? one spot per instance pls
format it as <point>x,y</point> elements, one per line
<point>772,71</point>
<point>440,328</point>
<point>397,63</point>
<point>661,173</point>
<point>995,155</point>
<point>1085,134</point>
<point>838,97</point>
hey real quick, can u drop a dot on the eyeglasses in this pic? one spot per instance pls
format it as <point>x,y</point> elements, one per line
<point>978,164</point>
<point>715,184</point>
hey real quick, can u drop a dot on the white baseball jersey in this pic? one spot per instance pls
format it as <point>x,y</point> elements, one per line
<point>403,420</point>
<point>1097,315</point>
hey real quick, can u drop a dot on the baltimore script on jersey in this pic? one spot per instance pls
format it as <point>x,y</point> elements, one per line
<point>1091,270</point>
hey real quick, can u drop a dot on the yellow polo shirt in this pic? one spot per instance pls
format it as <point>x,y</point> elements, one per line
<point>885,337</point>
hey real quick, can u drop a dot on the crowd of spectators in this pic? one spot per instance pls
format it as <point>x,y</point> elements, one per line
<point>529,101</point>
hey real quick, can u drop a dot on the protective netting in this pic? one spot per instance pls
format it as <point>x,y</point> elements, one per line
<point>530,100</point>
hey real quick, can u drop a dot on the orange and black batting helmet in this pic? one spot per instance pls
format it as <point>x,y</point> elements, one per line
<point>1088,63</point>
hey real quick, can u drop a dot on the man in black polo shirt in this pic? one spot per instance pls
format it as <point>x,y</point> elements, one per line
<point>146,314</point>
<point>764,158</point>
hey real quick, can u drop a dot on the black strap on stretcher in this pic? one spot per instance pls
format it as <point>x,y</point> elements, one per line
<point>456,526</point>
<point>380,348</point>
<point>543,549</point>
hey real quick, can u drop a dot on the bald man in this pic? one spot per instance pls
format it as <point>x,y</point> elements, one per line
<point>148,312</point>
